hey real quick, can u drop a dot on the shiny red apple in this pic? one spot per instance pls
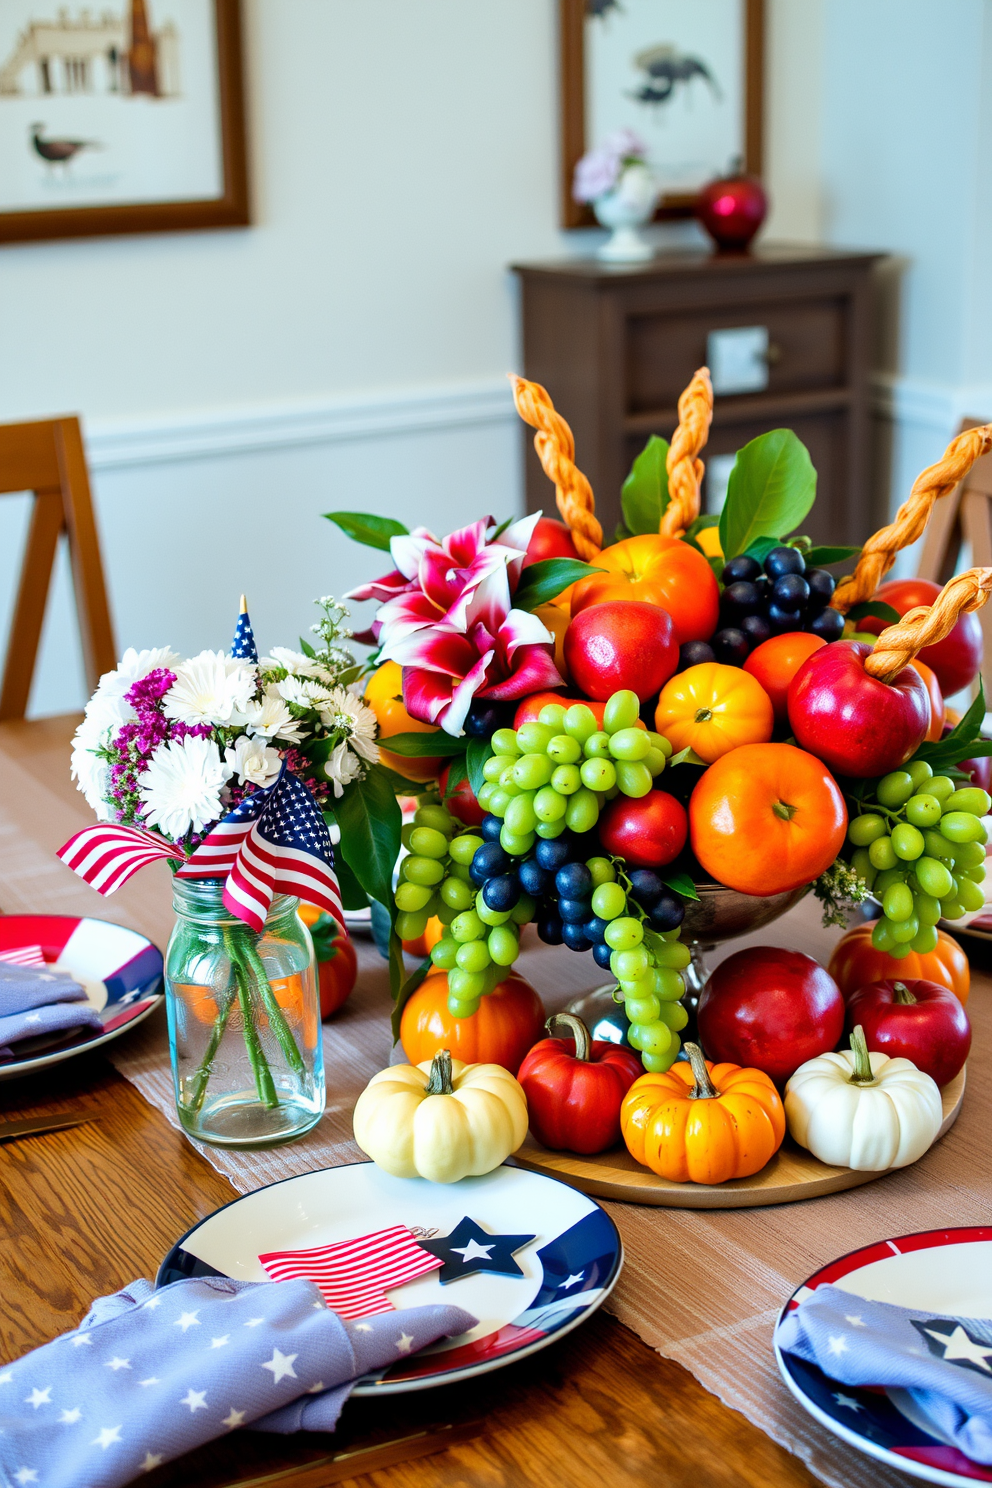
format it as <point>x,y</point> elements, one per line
<point>957,659</point>
<point>550,539</point>
<point>648,831</point>
<point>917,1020</point>
<point>732,210</point>
<point>853,722</point>
<point>770,1009</point>
<point>623,643</point>
<point>461,802</point>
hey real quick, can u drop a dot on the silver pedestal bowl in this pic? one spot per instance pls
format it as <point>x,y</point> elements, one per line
<point>717,915</point>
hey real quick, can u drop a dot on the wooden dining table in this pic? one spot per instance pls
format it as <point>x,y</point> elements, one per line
<point>85,1210</point>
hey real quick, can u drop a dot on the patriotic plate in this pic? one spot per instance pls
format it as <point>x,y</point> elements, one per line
<point>120,970</point>
<point>946,1272</point>
<point>567,1269</point>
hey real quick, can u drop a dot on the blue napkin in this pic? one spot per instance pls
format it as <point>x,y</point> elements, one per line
<point>36,1000</point>
<point>943,1363</point>
<point>150,1375</point>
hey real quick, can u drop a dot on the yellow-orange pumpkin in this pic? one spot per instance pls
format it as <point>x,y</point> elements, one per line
<point>855,962</point>
<point>702,1122</point>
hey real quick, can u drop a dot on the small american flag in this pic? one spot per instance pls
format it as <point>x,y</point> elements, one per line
<point>275,842</point>
<point>24,956</point>
<point>106,855</point>
<point>355,1275</point>
<point>243,646</point>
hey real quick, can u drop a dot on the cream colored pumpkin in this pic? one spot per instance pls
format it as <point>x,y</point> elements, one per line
<point>864,1111</point>
<point>442,1120</point>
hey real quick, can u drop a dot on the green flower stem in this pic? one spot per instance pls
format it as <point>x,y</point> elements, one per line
<point>264,1083</point>
<point>280,1027</point>
<point>202,1077</point>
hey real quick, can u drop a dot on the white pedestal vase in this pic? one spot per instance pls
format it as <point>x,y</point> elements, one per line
<point>625,209</point>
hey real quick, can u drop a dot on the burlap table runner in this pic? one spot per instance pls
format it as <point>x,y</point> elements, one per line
<point>702,1287</point>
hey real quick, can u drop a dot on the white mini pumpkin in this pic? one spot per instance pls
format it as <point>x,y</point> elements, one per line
<point>865,1111</point>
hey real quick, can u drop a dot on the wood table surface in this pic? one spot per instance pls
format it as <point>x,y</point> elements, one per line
<point>86,1210</point>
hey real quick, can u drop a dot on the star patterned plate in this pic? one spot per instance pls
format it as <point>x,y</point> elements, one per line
<point>120,970</point>
<point>948,1272</point>
<point>530,1257</point>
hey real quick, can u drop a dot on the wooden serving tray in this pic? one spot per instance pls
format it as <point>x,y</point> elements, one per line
<point>792,1174</point>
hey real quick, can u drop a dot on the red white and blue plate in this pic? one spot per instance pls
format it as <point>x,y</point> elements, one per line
<point>569,1268</point>
<point>120,970</point>
<point>946,1272</point>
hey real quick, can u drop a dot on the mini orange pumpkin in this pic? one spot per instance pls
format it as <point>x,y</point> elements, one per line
<point>712,709</point>
<point>855,963</point>
<point>702,1122</point>
<point>507,1023</point>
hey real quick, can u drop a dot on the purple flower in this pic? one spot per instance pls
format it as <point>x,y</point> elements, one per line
<point>150,689</point>
<point>599,170</point>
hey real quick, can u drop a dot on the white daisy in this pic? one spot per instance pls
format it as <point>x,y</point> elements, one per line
<point>304,692</point>
<point>210,688</point>
<point>346,711</point>
<point>92,774</point>
<point>253,761</point>
<point>342,768</point>
<point>181,786</point>
<point>134,665</point>
<point>295,663</point>
<point>269,718</point>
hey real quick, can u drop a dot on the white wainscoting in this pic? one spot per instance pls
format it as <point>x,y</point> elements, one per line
<point>195,508</point>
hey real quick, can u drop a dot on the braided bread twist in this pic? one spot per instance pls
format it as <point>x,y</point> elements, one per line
<point>685,471</point>
<point>927,624</point>
<point>556,452</point>
<point>879,552</point>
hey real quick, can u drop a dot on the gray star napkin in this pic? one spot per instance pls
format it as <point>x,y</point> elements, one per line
<point>150,1375</point>
<point>943,1363</point>
<point>36,1000</point>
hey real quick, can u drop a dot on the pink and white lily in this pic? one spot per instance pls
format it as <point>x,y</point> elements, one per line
<point>501,654</point>
<point>434,582</point>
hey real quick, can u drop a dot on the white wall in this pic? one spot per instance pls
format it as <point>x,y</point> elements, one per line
<point>350,349</point>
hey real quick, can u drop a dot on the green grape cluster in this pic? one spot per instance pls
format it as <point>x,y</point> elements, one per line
<point>647,965</point>
<point>427,870</point>
<point>921,850</point>
<point>558,771</point>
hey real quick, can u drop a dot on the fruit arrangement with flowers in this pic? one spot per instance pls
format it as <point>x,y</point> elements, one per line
<point>596,727</point>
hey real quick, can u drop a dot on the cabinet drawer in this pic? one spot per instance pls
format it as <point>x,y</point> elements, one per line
<point>807,348</point>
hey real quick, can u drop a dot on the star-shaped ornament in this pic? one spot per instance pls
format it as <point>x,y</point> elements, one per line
<point>470,1248</point>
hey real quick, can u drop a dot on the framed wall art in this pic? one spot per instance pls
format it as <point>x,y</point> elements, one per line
<point>684,75</point>
<point>121,116</point>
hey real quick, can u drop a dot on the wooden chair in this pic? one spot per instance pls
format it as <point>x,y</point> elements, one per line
<point>47,458</point>
<point>965,516</point>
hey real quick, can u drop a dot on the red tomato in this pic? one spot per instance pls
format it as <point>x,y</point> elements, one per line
<point>336,976</point>
<point>957,658</point>
<point>574,1088</point>
<point>774,664</point>
<point>917,1020</point>
<point>461,802</point>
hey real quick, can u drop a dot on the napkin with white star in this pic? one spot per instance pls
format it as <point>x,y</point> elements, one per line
<point>943,1363</point>
<point>150,1375</point>
<point>38,999</point>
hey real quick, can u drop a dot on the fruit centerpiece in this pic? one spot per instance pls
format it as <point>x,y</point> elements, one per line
<point>601,734</point>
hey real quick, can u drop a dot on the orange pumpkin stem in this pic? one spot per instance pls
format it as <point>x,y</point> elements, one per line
<point>704,1089</point>
<point>439,1079</point>
<point>862,1073</point>
<point>577,1031</point>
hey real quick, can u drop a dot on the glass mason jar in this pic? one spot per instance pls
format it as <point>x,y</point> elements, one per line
<point>244,1020</point>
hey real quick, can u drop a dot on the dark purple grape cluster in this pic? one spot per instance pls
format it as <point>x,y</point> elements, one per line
<point>761,601</point>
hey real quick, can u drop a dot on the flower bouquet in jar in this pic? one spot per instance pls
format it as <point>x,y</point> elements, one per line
<point>227,766</point>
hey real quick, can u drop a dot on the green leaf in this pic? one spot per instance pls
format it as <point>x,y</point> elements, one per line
<point>353,896</point>
<point>498,531</point>
<point>423,746</point>
<point>546,580</point>
<point>963,742</point>
<point>823,557</point>
<point>307,649</point>
<point>761,547</point>
<point>373,531</point>
<point>704,521</point>
<point>620,532</point>
<point>680,883</point>
<point>771,488</point>
<point>457,772</point>
<point>644,494</point>
<point>369,817</point>
<point>400,784</point>
<point>876,607</point>
<point>406,989</point>
<point>479,750</point>
<point>715,563</point>
<point>685,756</point>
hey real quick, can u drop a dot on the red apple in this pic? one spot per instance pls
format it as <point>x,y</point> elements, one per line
<point>916,1020</point>
<point>957,659</point>
<point>770,1009</point>
<point>461,803</point>
<point>550,539</point>
<point>621,643</point>
<point>732,210</point>
<point>648,832</point>
<point>853,722</point>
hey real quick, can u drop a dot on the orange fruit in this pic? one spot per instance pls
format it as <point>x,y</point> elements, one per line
<point>712,709</point>
<point>937,708</point>
<point>657,570</point>
<point>384,695</point>
<point>775,662</point>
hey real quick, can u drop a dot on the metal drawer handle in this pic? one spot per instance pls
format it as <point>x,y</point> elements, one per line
<point>772,354</point>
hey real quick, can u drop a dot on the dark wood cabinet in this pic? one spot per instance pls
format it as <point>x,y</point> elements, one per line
<point>616,344</point>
